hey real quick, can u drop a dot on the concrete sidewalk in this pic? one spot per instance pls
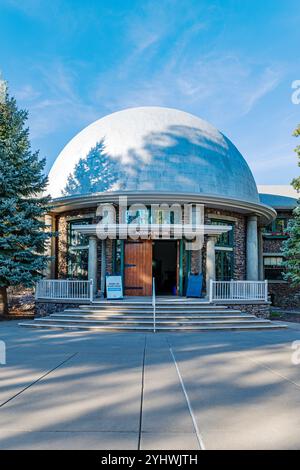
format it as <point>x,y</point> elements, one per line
<point>122,390</point>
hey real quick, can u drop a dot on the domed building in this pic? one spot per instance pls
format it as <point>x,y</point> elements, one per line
<point>155,157</point>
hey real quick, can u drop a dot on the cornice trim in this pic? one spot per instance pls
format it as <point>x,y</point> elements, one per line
<point>265,213</point>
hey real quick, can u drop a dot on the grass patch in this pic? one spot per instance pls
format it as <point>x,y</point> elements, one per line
<point>275,314</point>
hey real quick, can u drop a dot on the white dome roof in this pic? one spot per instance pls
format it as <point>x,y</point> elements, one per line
<point>153,149</point>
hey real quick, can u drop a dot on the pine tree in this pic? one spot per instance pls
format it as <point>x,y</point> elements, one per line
<point>291,247</point>
<point>22,206</point>
<point>296,181</point>
<point>96,172</point>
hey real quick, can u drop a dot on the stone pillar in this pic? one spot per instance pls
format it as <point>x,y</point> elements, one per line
<point>200,261</point>
<point>50,247</point>
<point>252,249</point>
<point>210,261</point>
<point>261,273</point>
<point>196,261</point>
<point>92,261</point>
<point>103,266</point>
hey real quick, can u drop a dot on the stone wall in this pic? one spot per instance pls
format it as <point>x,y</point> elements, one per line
<point>260,310</point>
<point>62,238</point>
<point>45,308</point>
<point>239,244</point>
<point>196,256</point>
<point>239,248</point>
<point>272,245</point>
<point>109,256</point>
<point>283,295</point>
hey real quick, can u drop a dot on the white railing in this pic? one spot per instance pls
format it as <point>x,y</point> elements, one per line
<point>238,290</point>
<point>64,289</point>
<point>154,305</point>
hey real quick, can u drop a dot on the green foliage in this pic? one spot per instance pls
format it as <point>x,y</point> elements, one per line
<point>22,205</point>
<point>291,247</point>
<point>296,181</point>
<point>96,172</point>
<point>291,250</point>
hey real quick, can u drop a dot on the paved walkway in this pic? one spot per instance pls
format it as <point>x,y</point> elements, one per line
<point>132,390</point>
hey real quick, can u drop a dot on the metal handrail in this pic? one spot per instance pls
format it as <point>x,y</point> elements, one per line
<point>154,304</point>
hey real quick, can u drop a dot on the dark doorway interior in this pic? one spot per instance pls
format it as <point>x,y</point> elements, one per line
<point>165,266</point>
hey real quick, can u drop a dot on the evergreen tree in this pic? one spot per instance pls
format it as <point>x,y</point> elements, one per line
<point>296,181</point>
<point>22,206</point>
<point>96,172</point>
<point>291,247</point>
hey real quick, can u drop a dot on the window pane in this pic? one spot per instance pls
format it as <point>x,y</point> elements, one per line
<point>273,267</point>
<point>280,225</point>
<point>273,261</point>
<point>118,257</point>
<point>75,238</point>
<point>140,216</point>
<point>224,265</point>
<point>77,252</point>
<point>78,264</point>
<point>273,273</point>
<point>226,239</point>
<point>162,217</point>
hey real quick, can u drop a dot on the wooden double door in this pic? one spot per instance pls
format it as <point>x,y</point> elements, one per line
<point>139,256</point>
<point>138,267</point>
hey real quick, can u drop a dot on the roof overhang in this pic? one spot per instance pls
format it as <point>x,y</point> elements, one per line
<point>265,213</point>
<point>152,230</point>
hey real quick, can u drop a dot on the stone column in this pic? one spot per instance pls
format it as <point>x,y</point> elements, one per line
<point>252,249</point>
<point>210,261</point>
<point>261,273</point>
<point>50,247</point>
<point>196,261</point>
<point>92,261</point>
<point>103,266</point>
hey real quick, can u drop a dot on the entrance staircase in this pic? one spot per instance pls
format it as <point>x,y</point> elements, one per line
<point>171,315</point>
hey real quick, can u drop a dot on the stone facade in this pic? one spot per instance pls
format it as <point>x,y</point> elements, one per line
<point>46,307</point>
<point>239,243</point>
<point>260,310</point>
<point>61,224</point>
<point>239,248</point>
<point>109,256</point>
<point>272,245</point>
<point>196,261</point>
<point>283,295</point>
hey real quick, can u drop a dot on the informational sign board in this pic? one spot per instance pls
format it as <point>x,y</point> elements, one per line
<point>194,287</point>
<point>114,287</point>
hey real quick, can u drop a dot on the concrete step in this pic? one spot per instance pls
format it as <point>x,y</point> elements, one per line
<point>148,301</point>
<point>150,323</point>
<point>142,305</point>
<point>150,310</point>
<point>139,317</point>
<point>187,328</point>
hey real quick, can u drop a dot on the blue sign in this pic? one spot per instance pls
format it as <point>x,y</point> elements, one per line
<point>194,287</point>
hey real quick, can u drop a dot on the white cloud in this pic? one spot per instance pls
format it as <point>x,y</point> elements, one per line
<point>27,93</point>
<point>57,103</point>
<point>267,82</point>
<point>224,85</point>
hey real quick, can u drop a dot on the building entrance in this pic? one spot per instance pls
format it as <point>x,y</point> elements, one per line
<point>165,266</point>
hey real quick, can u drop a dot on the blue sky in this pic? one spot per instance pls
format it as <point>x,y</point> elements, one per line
<point>231,62</point>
